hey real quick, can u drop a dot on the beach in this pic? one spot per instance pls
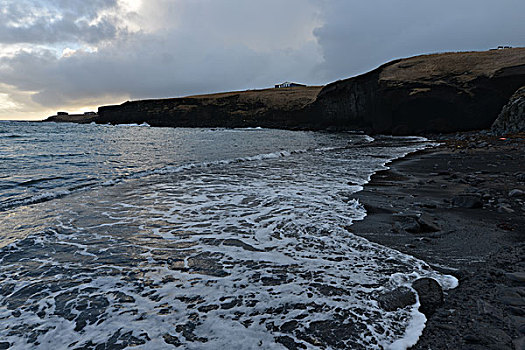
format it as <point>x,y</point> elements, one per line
<point>460,207</point>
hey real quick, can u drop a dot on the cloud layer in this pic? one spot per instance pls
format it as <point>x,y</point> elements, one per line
<point>72,54</point>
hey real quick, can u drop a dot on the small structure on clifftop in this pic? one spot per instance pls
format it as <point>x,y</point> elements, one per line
<point>288,84</point>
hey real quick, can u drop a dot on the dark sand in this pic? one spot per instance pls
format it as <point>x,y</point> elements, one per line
<point>453,207</point>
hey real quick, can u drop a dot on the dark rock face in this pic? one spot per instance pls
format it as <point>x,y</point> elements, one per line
<point>434,93</point>
<point>430,295</point>
<point>271,108</point>
<point>512,117</point>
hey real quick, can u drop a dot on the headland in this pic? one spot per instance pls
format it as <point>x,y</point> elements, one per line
<point>437,93</point>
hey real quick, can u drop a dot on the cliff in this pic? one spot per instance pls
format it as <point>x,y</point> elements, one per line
<point>271,108</point>
<point>62,117</point>
<point>446,92</point>
<point>432,93</point>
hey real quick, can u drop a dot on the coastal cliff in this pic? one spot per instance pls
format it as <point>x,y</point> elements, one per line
<point>270,108</point>
<point>446,92</point>
<point>432,93</point>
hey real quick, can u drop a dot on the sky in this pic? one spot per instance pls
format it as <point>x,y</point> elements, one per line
<point>75,55</point>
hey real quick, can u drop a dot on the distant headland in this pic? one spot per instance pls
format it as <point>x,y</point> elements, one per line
<point>434,93</point>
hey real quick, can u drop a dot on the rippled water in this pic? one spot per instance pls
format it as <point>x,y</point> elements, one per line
<point>194,238</point>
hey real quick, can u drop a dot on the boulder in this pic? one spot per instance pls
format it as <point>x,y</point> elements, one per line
<point>415,223</point>
<point>519,344</point>
<point>468,201</point>
<point>516,193</point>
<point>430,295</point>
<point>512,116</point>
<point>396,299</point>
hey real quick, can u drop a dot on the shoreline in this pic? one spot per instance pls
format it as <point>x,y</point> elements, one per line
<point>459,208</point>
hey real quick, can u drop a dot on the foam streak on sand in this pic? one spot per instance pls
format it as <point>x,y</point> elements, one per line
<point>250,254</point>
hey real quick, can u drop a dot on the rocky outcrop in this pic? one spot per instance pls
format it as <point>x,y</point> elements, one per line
<point>433,93</point>
<point>512,117</point>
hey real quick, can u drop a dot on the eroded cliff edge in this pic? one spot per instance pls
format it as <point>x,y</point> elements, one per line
<point>446,92</point>
<point>432,93</point>
<point>270,108</point>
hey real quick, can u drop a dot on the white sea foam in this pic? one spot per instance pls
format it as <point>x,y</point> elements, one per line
<point>40,197</point>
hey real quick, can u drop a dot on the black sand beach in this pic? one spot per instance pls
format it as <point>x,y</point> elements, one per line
<point>460,207</point>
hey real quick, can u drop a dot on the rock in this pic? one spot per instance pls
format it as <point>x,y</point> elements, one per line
<point>505,209</point>
<point>415,223</point>
<point>470,338</point>
<point>519,344</point>
<point>519,323</point>
<point>520,177</point>
<point>289,343</point>
<point>516,193</point>
<point>511,297</point>
<point>516,277</point>
<point>430,295</point>
<point>467,201</point>
<point>170,339</point>
<point>485,308</point>
<point>446,327</point>
<point>4,345</point>
<point>407,223</point>
<point>517,311</point>
<point>512,116</point>
<point>428,224</point>
<point>396,299</point>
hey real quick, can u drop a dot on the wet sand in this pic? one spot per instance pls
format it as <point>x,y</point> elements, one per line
<point>459,208</point>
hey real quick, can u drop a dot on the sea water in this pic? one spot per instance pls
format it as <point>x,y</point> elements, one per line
<point>152,238</point>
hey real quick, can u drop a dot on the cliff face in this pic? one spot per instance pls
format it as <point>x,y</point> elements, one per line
<point>433,93</point>
<point>271,108</point>
<point>512,117</point>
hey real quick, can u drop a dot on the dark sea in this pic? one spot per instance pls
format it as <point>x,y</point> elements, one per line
<point>128,236</point>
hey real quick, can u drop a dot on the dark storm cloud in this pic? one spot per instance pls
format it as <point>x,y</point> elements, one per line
<point>55,21</point>
<point>360,35</point>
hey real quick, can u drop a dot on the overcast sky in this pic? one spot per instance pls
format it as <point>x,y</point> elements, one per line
<point>75,55</point>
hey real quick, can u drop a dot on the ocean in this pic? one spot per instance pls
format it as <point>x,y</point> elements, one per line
<point>157,238</point>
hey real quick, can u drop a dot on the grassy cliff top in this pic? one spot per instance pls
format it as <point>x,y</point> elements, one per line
<point>464,66</point>
<point>278,98</point>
